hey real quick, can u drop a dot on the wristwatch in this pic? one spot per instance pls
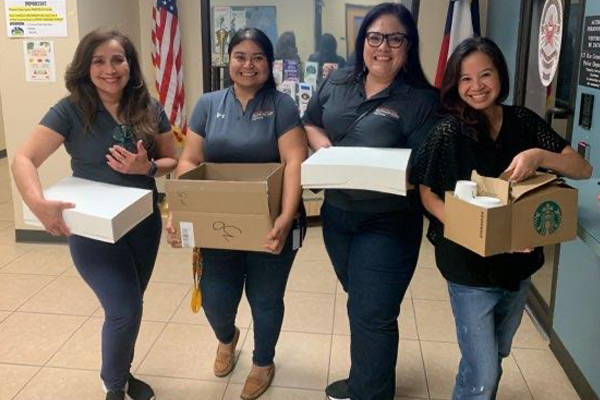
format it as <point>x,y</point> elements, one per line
<point>153,169</point>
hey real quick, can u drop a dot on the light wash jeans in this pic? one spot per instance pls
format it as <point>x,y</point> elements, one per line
<point>487,319</point>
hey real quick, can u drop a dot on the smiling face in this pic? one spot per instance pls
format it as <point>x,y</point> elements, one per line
<point>109,70</point>
<point>248,66</point>
<point>384,62</point>
<point>479,81</point>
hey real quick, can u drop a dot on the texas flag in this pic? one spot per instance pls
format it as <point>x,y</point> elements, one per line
<point>462,22</point>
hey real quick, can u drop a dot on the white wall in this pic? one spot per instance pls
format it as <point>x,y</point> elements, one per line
<point>30,101</point>
<point>2,139</point>
<point>119,14</point>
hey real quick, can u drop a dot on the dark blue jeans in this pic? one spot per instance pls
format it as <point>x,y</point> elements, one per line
<point>265,276</point>
<point>374,256</point>
<point>487,319</point>
<point>119,274</point>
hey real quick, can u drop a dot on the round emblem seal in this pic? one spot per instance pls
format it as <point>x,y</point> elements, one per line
<point>550,36</point>
<point>547,218</point>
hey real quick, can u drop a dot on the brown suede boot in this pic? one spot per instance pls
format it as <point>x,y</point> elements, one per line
<point>258,381</point>
<point>225,359</point>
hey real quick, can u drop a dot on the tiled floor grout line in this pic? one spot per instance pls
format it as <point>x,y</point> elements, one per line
<point>420,348</point>
<point>522,375</point>
<point>53,354</point>
<point>161,331</point>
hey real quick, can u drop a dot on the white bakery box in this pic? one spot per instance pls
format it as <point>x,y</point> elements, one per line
<point>102,211</point>
<point>365,168</point>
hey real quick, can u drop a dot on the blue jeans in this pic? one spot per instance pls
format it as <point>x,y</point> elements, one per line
<point>119,274</point>
<point>486,322</point>
<point>265,276</point>
<point>374,256</point>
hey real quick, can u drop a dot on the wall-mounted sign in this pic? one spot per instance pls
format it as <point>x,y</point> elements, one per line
<point>589,69</point>
<point>550,37</point>
<point>44,18</point>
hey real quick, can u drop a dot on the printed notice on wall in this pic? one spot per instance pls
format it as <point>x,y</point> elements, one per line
<point>42,18</point>
<point>39,61</point>
<point>589,70</point>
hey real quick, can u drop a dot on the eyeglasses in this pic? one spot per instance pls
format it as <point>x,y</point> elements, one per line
<point>395,40</point>
<point>123,136</point>
<point>254,59</point>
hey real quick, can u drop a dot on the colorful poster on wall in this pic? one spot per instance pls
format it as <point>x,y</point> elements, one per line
<point>39,61</point>
<point>47,18</point>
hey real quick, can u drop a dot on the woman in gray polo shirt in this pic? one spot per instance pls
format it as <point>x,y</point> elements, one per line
<point>115,133</point>
<point>249,122</point>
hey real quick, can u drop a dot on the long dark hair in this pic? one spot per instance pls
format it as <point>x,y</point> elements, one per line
<point>134,107</point>
<point>327,49</point>
<point>412,70</point>
<point>286,49</point>
<point>476,122</point>
<point>262,41</point>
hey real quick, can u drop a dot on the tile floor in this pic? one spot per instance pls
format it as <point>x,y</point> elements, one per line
<point>50,332</point>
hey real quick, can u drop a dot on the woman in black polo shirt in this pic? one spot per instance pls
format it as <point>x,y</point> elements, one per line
<point>249,122</point>
<point>373,238</point>
<point>488,294</point>
<point>115,133</point>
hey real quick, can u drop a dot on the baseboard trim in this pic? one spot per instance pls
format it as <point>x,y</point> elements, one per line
<point>2,153</point>
<point>34,236</point>
<point>581,385</point>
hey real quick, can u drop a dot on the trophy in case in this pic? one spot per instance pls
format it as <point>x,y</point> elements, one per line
<point>221,36</point>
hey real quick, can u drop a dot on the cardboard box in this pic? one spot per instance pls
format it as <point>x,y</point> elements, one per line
<point>226,206</point>
<point>365,168</point>
<point>103,212</point>
<point>539,211</point>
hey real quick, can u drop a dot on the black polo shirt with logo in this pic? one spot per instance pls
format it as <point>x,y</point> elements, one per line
<point>234,135</point>
<point>403,117</point>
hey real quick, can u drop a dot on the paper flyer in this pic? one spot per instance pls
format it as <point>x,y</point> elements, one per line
<point>47,18</point>
<point>291,70</point>
<point>329,68</point>
<point>278,72</point>
<point>39,61</point>
<point>305,91</point>
<point>311,73</point>
<point>289,88</point>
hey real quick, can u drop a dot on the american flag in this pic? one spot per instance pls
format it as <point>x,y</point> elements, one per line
<point>166,57</point>
<point>462,23</point>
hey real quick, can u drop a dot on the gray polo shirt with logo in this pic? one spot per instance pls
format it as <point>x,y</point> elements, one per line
<point>234,135</point>
<point>88,149</point>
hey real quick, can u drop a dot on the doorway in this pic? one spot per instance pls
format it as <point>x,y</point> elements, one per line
<point>555,103</point>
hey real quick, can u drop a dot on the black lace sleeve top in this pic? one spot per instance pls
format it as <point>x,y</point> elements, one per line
<point>450,154</point>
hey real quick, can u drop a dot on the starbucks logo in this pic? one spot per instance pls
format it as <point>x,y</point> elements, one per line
<point>547,218</point>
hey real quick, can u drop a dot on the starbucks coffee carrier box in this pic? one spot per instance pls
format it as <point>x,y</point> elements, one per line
<point>538,211</point>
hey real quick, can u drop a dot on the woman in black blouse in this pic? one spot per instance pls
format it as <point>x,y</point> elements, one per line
<point>478,133</point>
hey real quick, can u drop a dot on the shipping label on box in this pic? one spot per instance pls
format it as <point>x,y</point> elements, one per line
<point>539,211</point>
<point>364,168</point>
<point>226,206</point>
<point>102,211</point>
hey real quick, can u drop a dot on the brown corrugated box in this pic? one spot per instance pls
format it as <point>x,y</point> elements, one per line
<point>226,206</point>
<point>538,211</point>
